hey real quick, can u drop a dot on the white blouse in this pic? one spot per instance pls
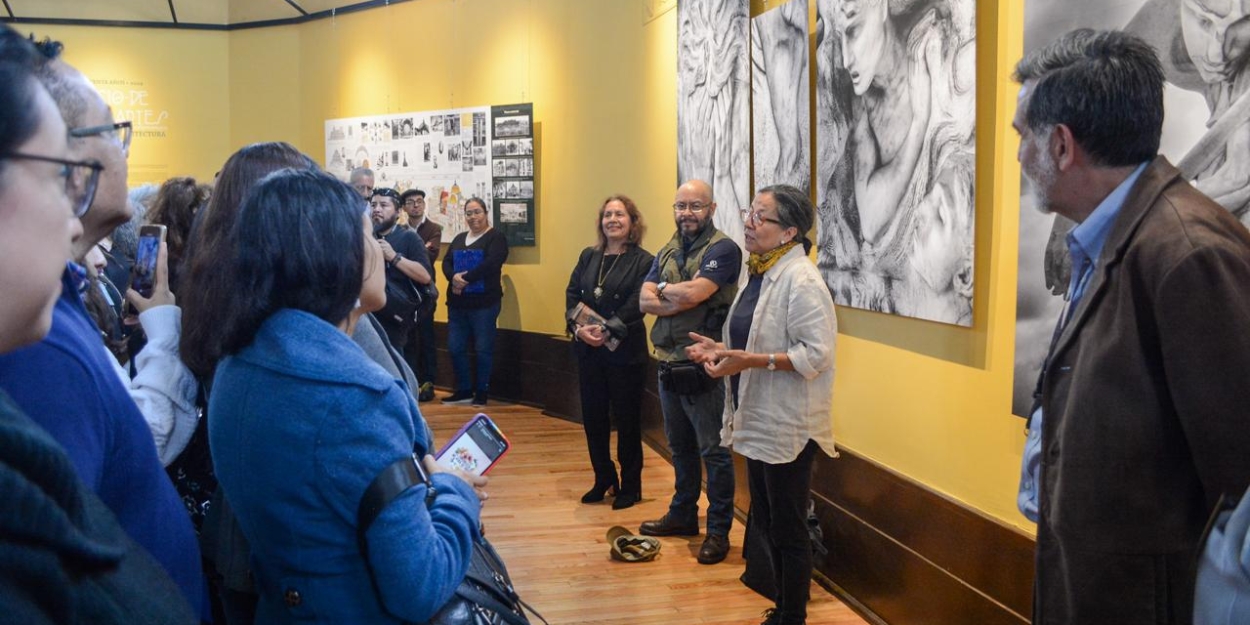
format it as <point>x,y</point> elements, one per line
<point>779,411</point>
<point>163,387</point>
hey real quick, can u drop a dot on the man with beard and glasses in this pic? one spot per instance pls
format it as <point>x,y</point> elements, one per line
<point>1139,421</point>
<point>405,259</point>
<point>692,282</point>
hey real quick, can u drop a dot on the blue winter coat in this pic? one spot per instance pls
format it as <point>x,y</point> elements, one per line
<point>300,423</point>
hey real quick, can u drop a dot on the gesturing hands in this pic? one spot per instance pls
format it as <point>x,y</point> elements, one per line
<point>717,361</point>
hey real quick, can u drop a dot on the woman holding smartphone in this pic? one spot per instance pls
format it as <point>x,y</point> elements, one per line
<point>302,421</point>
<point>611,347</point>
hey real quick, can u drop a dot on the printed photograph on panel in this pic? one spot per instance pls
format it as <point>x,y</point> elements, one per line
<point>513,212</point>
<point>895,140</point>
<point>780,90</point>
<point>713,99</point>
<point>512,126</point>
<point>1203,45</point>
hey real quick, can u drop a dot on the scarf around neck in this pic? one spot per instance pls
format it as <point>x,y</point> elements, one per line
<point>757,264</point>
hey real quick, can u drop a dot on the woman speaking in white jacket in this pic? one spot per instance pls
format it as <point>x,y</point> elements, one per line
<point>778,355</point>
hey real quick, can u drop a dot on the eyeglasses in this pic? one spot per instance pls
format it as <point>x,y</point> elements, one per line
<point>81,178</point>
<point>474,212</point>
<point>413,201</point>
<point>694,207</point>
<point>121,131</point>
<point>756,218</point>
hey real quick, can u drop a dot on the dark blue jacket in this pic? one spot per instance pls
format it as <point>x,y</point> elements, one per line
<point>300,423</point>
<point>67,384</point>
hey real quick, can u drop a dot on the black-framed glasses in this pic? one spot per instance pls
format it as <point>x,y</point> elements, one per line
<point>122,131</point>
<point>412,201</point>
<point>756,218</point>
<point>81,178</point>
<point>694,207</point>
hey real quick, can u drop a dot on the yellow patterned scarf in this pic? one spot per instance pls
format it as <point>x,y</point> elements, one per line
<point>757,264</point>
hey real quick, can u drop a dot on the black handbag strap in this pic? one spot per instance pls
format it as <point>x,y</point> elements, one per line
<point>394,481</point>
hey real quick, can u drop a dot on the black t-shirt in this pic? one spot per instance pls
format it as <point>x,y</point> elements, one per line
<point>408,243</point>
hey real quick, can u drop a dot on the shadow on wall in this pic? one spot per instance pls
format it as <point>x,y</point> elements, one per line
<point>510,310</point>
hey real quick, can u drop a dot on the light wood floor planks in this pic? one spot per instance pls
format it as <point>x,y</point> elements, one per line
<point>556,549</point>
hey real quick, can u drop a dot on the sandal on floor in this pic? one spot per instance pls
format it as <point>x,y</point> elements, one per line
<point>627,547</point>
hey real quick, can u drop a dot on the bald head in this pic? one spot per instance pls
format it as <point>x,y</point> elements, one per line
<point>699,187</point>
<point>693,207</point>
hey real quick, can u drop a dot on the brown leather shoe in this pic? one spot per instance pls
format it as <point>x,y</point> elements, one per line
<point>666,526</point>
<point>714,549</point>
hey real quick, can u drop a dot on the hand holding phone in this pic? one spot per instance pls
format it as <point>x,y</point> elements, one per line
<point>149,278</point>
<point>143,273</point>
<point>478,482</point>
<point>475,448</point>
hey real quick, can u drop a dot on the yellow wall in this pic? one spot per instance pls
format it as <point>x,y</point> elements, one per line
<point>170,83</point>
<point>928,400</point>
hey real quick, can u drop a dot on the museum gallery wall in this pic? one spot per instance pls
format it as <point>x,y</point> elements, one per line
<point>895,136</point>
<point>713,96</point>
<point>781,123</point>
<point>444,153</point>
<point>1207,115</point>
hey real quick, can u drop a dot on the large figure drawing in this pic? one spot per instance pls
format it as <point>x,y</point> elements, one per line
<point>1204,46</point>
<point>780,95</point>
<point>713,118</point>
<point>896,104</point>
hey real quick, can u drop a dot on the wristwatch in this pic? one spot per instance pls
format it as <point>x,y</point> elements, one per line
<point>395,261</point>
<point>659,289</point>
<point>772,362</point>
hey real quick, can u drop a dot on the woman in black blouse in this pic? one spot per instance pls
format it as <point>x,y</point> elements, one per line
<point>611,347</point>
<point>473,267</point>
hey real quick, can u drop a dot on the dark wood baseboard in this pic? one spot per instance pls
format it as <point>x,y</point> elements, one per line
<point>898,552</point>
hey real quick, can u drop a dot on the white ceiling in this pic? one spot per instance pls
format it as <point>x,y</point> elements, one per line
<point>211,12</point>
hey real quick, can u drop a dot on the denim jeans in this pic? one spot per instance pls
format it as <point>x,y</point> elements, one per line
<point>477,324</point>
<point>692,424</point>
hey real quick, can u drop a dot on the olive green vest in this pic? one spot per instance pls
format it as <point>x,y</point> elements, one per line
<point>671,335</point>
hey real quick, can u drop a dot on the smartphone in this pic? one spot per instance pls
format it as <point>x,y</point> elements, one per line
<point>475,448</point>
<point>143,274</point>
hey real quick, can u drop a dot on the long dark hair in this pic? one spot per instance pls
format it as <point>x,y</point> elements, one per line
<point>205,288</point>
<point>301,245</point>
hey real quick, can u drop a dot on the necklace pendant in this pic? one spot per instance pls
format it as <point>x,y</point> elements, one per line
<point>598,292</point>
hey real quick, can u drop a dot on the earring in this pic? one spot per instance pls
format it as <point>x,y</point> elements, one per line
<point>357,302</point>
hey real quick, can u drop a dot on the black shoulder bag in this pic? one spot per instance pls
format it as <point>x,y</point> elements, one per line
<point>404,300</point>
<point>486,595</point>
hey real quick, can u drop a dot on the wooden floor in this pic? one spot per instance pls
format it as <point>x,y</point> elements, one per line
<point>556,549</point>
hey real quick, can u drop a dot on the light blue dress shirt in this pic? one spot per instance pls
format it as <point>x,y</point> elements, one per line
<point>1085,243</point>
